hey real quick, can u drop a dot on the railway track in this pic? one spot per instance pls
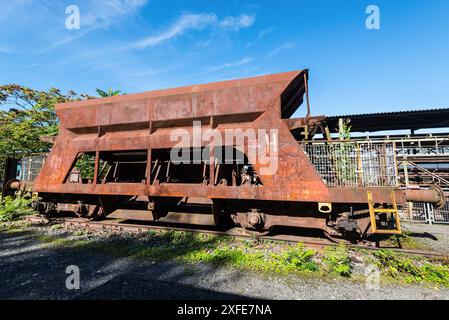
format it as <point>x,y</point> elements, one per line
<point>239,233</point>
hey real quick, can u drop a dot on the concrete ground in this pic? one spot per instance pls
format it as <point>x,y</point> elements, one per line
<point>435,237</point>
<point>31,270</point>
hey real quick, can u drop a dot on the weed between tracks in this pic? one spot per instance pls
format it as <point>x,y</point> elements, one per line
<point>263,256</point>
<point>404,240</point>
<point>411,270</point>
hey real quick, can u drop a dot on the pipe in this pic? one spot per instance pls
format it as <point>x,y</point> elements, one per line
<point>15,185</point>
<point>434,195</point>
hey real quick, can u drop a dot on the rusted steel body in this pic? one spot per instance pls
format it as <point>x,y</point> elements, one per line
<point>146,121</point>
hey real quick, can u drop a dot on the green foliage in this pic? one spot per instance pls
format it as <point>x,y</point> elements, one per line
<point>435,274</point>
<point>398,266</point>
<point>343,154</point>
<point>300,258</point>
<point>344,129</point>
<point>337,260</point>
<point>86,165</point>
<point>109,93</point>
<point>30,115</point>
<point>296,259</point>
<point>56,227</point>
<point>14,208</point>
<point>404,240</point>
<point>343,159</point>
<point>227,255</point>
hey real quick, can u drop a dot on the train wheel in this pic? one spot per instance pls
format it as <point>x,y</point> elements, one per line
<point>98,215</point>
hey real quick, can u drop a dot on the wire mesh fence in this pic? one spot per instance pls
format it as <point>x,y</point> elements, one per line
<point>414,211</point>
<point>425,212</point>
<point>353,163</point>
<point>29,167</point>
<point>442,215</point>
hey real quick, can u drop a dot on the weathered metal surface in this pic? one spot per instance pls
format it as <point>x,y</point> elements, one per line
<point>145,121</point>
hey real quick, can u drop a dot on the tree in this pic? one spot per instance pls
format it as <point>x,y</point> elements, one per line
<point>109,93</point>
<point>29,115</point>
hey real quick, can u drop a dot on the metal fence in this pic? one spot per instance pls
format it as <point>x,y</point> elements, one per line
<point>29,167</point>
<point>425,212</point>
<point>354,163</point>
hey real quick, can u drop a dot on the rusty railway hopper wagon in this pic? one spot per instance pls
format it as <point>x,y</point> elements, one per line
<point>225,153</point>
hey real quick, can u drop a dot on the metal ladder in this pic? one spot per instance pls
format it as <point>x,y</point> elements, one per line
<point>373,211</point>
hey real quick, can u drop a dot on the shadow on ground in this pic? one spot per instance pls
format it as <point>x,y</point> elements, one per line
<point>32,270</point>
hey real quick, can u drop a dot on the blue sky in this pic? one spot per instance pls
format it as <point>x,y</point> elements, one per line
<point>140,45</point>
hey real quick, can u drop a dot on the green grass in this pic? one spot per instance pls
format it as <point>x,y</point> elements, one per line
<point>14,226</point>
<point>404,240</point>
<point>293,259</point>
<point>401,267</point>
<point>337,261</point>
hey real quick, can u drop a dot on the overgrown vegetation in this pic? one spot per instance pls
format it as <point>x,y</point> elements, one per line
<point>402,267</point>
<point>337,260</point>
<point>12,209</point>
<point>403,240</point>
<point>86,166</point>
<point>300,258</point>
<point>343,153</point>
<point>291,259</point>
<point>344,129</point>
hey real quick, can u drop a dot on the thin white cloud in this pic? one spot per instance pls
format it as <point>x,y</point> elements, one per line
<point>102,13</point>
<point>156,71</point>
<point>184,23</point>
<point>228,65</point>
<point>282,47</point>
<point>261,34</point>
<point>65,41</point>
<point>34,65</point>
<point>231,64</point>
<point>2,49</point>
<point>99,14</point>
<point>264,32</point>
<point>240,22</point>
<point>8,7</point>
<point>189,22</point>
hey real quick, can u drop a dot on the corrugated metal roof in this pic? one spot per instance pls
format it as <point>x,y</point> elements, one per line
<point>387,113</point>
<point>395,120</point>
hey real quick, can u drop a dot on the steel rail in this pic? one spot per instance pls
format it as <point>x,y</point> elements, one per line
<point>239,233</point>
